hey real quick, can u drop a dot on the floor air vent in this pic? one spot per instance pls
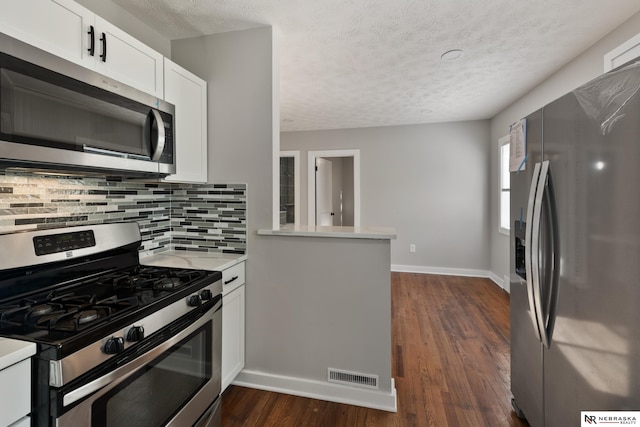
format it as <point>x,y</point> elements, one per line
<point>352,378</point>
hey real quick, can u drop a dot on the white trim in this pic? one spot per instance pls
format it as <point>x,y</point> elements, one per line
<point>440,270</point>
<point>311,182</point>
<point>445,271</point>
<point>503,283</point>
<point>385,401</point>
<point>501,142</point>
<point>296,182</point>
<point>506,284</point>
<point>622,54</point>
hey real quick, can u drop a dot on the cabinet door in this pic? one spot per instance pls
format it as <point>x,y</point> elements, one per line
<point>57,26</point>
<point>15,392</point>
<point>128,60</point>
<point>232,335</point>
<point>188,93</point>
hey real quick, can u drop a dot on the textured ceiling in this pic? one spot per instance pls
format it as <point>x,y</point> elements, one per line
<point>361,63</point>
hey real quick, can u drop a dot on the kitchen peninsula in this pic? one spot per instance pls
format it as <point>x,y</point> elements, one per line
<point>334,296</point>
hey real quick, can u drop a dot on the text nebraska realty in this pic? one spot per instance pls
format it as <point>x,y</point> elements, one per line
<point>610,419</point>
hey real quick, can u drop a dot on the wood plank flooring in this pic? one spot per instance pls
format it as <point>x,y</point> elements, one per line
<point>450,364</point>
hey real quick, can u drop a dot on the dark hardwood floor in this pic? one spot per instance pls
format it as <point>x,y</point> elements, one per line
<point>450,364</point>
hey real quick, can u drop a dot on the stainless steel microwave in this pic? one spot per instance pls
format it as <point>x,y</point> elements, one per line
<point>55,114</point>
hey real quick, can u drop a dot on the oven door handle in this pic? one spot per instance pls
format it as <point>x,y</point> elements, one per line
<point>134,365</point>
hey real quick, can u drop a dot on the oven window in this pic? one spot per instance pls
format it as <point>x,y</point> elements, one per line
<point>156,393</point>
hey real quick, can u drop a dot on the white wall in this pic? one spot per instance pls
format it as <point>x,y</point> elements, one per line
<point>430,182</point>
<point>581,69</point>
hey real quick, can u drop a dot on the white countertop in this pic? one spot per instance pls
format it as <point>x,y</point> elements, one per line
<point>191,259</point>
<point>14,351</point>
<point>380,233</point>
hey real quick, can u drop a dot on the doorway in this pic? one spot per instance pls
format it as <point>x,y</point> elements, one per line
<point>334,188</point>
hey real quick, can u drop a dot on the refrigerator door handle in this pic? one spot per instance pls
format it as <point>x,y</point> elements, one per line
<point>547,313</point>
<point>530,267</point>
<point>535,248</point>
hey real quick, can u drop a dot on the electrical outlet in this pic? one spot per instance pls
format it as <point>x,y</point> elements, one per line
<point>412,248</point>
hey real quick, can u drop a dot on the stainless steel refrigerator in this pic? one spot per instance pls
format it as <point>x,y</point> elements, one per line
<point>575,255</point>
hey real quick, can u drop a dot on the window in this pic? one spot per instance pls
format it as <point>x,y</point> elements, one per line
<point>505,189</point>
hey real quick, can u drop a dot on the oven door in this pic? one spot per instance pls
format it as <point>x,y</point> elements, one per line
<point>176,383</point>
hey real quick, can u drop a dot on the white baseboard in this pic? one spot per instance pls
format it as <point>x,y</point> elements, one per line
<point>441,270</point>
<point>497,280</point>
<point>503,283</point>
<point>314,389</point>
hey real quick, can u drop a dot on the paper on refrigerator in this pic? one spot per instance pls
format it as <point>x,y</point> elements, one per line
<point>518,146</point>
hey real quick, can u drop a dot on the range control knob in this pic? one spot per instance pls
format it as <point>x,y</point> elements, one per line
<point>114,345</point>
<point>135,334</point>
<point>194,300</point>
<point>206,294</point>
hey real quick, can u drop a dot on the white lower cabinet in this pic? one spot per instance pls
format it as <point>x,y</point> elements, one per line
<point>15,393</point>
<point>233,332</point>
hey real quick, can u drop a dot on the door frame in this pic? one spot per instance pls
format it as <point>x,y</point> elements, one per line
<point>311,182</point>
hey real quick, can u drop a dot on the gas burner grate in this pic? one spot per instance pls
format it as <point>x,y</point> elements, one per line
<point>84,315</point>
<point>168,284</point>
<point>28,314</point>
<point>79,319</point>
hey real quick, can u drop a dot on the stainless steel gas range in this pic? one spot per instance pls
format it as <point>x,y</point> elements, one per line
<point>118,343</point>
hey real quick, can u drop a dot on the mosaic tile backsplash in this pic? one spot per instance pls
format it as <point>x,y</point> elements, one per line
<point>207,217</point>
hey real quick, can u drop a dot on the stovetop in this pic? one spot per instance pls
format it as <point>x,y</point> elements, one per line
<point>67,288</point>
<point>59,314</point>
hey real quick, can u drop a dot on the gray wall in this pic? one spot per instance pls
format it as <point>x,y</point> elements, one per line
<point>581,69</point>
<point>429,181</point>
<point>129,24</point>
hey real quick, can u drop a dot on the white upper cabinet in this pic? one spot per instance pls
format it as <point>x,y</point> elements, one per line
<point>188,93</point>
<point>127,59</point>
<point>57,26</point>
<point>70,31</point>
